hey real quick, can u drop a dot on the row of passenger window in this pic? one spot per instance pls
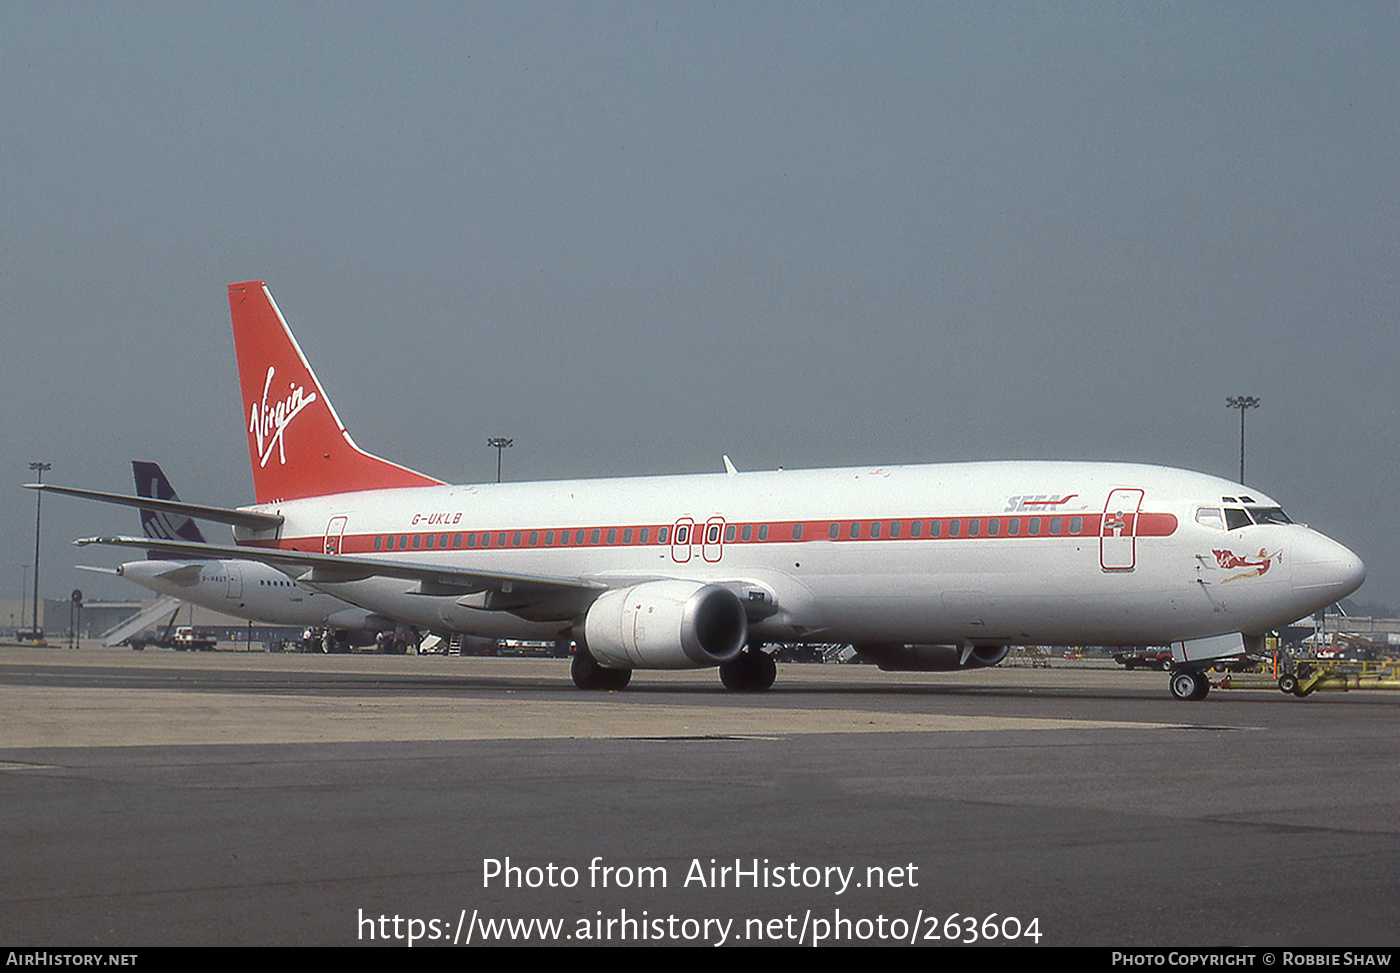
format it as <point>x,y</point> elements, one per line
<point>518,538</point>
<point>873,530</point>
<point>957,527</point>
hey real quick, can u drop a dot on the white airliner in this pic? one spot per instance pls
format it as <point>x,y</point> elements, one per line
<point>239,587</point>
<point>919,567</point>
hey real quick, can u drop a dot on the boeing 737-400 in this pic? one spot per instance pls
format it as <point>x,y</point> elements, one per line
<point>919,567</point>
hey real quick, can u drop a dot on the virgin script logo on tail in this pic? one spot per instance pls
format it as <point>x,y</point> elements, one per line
<point>268,423</point>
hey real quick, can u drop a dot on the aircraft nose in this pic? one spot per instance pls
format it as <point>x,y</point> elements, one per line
<point>1327,569</point>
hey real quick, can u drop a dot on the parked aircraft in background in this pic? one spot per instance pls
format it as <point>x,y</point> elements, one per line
<point>239,587</point>
<point>919,567</point>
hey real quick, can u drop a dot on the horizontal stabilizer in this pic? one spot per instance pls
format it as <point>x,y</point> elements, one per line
<point>221,515</point>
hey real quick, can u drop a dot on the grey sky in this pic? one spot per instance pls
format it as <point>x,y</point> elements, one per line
<point>637,236</point>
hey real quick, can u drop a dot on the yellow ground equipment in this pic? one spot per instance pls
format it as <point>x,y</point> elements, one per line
<point>1307,676</point>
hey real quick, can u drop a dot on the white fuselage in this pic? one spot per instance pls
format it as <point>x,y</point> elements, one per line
<point>247,589</point>
<point>1005,552</point>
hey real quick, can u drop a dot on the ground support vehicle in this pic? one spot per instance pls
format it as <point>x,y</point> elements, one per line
<point>1307,676</point>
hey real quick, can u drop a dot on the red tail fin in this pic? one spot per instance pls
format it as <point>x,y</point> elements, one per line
<point>298,445</point>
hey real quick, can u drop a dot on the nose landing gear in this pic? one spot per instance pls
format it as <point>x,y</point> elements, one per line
<point>1189,684</point>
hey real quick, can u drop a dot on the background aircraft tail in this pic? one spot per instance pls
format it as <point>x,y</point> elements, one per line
<point>297,443</point>
<point>161,524</point>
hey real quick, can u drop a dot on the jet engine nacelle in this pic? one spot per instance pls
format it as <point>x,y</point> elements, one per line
<point>358,618</point>
<point>355,626</point>
<point>933,658</point>
<point>666,625</point>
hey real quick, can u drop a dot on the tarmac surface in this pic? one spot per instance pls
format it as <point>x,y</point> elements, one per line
<point>164,798</point>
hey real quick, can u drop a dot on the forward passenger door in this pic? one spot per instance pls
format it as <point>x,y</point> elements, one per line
<point>1118,530</point>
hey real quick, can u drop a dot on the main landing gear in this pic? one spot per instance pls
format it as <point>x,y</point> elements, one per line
<point>752,671</point>
<point>391,643</point>
<point>588,674</point>
<point>1189,684</point>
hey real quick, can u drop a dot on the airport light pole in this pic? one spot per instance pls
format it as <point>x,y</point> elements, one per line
<point>500,443</point>
<point>1241,402</point>
<point>38,509</point>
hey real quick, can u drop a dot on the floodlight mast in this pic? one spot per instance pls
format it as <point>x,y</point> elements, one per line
<point>1243,403</point>
<point>38,509</point>
<point>500,443</point>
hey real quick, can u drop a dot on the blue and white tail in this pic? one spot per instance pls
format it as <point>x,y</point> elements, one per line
<point>159,524</point>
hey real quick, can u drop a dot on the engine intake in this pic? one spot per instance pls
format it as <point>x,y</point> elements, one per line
<point>666,625</point>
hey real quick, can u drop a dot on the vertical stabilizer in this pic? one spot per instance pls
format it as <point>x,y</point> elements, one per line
<point>297,443</point>
<point>162,524</point>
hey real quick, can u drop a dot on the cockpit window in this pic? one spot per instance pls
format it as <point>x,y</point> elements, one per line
<point>1236,518</point>
<point>1268,515</point>
<point>1210,517</point>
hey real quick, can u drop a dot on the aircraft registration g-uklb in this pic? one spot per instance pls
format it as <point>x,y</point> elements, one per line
<point>919,567</point>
